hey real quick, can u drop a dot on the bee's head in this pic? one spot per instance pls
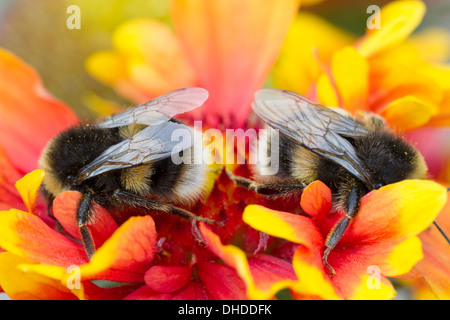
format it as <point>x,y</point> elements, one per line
<point>391,159</point>
<point>67,153</point>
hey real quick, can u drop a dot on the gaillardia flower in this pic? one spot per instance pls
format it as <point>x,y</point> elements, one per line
<point>382,240</point>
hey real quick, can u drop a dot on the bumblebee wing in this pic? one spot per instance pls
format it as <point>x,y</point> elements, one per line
<point>342,125</point>
<point>159,110</point>
<point>151,144</point>
<point>313,126</point>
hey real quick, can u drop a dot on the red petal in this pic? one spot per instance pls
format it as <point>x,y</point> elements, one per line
<point>65,208</point>
<point>193,291</point>
<point>167,279</point>
<point>221,282</point>
<point>316,201</point>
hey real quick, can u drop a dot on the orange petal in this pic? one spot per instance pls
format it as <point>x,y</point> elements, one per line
<point>65,208</point>
<point>398,20</point>
<point>316,200</point>
<point>361,269</point>
<point>408,113</point>
<point>310,42</point>
<point>261,282</point>
<point>441,120</point>
<point>9,196</point>
<point>390,82</point>
<point>25,235</point>
<point>326,91</point>
<point>350,71</point>
<point>20,285</point>
<point>232,47</point>
<point>312,278</point>
<point>307,261</point>
<point>396,211</point>
<point>434,267</point>
<point>155,62</point>
<point>28,188</point>
<point>29,116</point>
<point>283,225</point>
<point>127,254</point>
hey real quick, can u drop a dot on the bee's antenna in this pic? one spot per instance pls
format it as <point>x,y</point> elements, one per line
<point>442,232</point>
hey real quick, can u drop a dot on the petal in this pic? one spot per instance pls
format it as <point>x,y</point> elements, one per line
<point>350,71</point>
<point>126,255</point>
<point>391,81</point>
<point>9,196</point>
<point>397,210</point>
<point>20,285</point>
<point>232,47</point>
<point>402,257</point>
<point>221,281</point>
<point>193,291</point>
<point>313,280</point>
<point>434,267</point>
<point>166,279</point>
<point>370,288</point>
<point>311,41</point>
<point>28,188</point>
<point>360,270</point>
<point>283,225</point>
<point>29,116</point>
<point>432,44</point>
<point>408,113</point>
<point>25,235</point>
<point>107,66</point>
<point>155,62</point>
<point>261,283</point>
<point>326,92</point>
<point>398,20</point>
<point>51,272</point>
<point>65,207</point>
<point>316,200</point>
<point>145,293</point>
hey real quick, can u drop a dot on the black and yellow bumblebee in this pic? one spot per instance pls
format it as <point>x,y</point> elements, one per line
<point>128,161</point>
<point>352,155</point>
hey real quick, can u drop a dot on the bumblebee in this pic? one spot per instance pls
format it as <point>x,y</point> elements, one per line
<point>351,155</point>
<point>127,161</point>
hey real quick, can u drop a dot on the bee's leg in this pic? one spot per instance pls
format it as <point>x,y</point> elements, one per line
<point>83,217</point>
<point>136,201</point>
<point>267,189</point>
<point>339,228</point>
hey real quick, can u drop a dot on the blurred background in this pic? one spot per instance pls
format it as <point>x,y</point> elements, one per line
<point>36,31</point>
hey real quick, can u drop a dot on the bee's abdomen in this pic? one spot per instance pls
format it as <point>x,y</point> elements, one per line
<point>179,183</point>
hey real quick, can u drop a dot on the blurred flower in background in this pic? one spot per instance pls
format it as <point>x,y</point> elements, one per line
<point>37,32</point>
<point>128,52</point>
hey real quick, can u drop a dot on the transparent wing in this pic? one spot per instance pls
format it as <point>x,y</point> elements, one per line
<point>159,110</point>
<point>338,123</point>
<point>151,144</point>
<point>313,126</point>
